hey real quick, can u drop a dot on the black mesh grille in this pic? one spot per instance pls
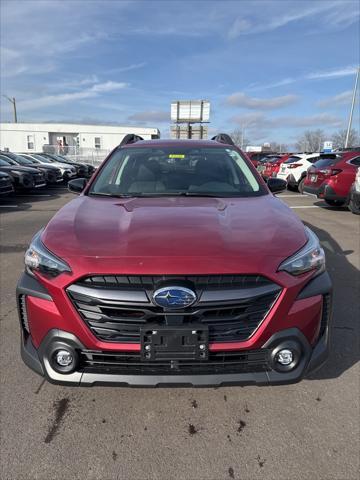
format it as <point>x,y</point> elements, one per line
<point>130,363</point>
<point>199,281</point>
<point>115,321</point>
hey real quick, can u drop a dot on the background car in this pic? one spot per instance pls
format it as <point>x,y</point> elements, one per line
<point>295,168</point>
<point>255,157</point>
<point>23,177</point>
<point>271,165</point>
<point>354,202</point>
<point>6,184</point>
<point>81,169</point>
<point>332,176</point>
<point>52,174</point>
<point>68,171</point>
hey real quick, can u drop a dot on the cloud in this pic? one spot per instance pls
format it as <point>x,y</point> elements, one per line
<point>333,16</point>
<point>243,101</point>
<point>339,72</point>
<point>54,100</point>
<point>259,121</point>
<point>128,68</point>
<point>319,75</point>
<point>150,116</point>
<point>343,98</point>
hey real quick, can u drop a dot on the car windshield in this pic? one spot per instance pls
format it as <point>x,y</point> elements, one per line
<point>272,159</point>
<point>4,163</point>
<point>23,160</point>
<point>326,161</point>
<point>170,171</point>
<point>8,160</point>
<point>42,159</point>
<point>292,159</point>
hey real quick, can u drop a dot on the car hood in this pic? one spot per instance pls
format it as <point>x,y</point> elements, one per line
<point>19,169</point>
<point>44,166</point>
<point>173,234</point>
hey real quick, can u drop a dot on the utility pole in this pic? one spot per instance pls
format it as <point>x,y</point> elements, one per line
<point>352,108</point>
<point>13,101</point>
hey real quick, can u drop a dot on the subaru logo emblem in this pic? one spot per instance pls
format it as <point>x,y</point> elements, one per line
<point>174,297</point>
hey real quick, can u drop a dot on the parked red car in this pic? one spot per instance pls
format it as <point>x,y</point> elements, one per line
<point>256,157</point>
<point>271,166</point>
<point>332,176</point>
<point>176,264</point>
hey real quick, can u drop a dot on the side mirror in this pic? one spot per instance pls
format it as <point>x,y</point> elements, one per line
<point>276,185</point>
<point>77,185</point>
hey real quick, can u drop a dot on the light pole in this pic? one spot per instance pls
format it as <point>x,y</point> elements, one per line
<point>352,108</point>
<point>13,101</point>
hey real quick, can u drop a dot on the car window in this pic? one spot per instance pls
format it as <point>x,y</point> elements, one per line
<point>292,159</point>
<point>325,162</point>
<point>176,171</point>
<point>355,161</point>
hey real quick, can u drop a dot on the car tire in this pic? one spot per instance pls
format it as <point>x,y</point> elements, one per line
<point>334,203</point>
<point>301,186</point>
<point>354,207</point>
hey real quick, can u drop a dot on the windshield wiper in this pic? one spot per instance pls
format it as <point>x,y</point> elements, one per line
<point>111,195</point>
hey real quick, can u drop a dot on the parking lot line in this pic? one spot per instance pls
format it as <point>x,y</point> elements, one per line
<point>34,195</point>
<point>9,206</point>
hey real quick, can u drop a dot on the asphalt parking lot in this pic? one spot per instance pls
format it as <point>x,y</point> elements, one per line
<point>301,431</point>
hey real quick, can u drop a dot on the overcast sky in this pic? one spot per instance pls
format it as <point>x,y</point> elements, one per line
<point>275,67</point>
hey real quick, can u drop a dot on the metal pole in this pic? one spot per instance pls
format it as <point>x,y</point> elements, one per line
<point>13,101</point>
<point>352,109</point>
<point>15,114</point>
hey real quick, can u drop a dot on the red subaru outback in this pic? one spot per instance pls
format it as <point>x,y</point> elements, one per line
<point>332,176</point>
<point>175,265</point>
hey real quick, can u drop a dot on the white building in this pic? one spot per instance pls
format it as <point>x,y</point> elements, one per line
<point>72,139</point>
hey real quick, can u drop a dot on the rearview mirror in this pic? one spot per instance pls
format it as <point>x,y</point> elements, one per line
<point>77,185</point>
<point>276,185</point>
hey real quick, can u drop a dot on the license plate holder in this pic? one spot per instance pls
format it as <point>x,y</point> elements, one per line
<point>174,343</point>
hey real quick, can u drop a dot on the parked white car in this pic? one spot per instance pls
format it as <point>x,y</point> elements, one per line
<point>68,171</point>
<point>294,169</point>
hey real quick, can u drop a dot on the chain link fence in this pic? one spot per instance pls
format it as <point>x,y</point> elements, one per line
<point>94,156</point>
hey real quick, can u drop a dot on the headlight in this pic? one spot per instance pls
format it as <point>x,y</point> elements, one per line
<point>39,259</point>
<point>310,257</point>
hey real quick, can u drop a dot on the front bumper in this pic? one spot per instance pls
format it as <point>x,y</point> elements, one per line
<point>312,356</point>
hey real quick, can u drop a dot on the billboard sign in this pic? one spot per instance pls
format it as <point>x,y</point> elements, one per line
<point>190,111</point>
<point>328,147</point>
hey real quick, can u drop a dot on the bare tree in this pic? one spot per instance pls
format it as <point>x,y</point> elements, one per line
<point>278,147</point>
<point>339,138</point>
<point>311,141</point>
<point>239,138</point>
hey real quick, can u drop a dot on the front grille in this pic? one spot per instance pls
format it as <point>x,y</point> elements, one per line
<point>92,361</point>
<point>6,185</point>
<point>39,178</point>
<point>116,307</point>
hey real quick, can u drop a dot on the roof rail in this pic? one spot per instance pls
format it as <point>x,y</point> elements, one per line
<point>223,138</point>
<point>130,138</point>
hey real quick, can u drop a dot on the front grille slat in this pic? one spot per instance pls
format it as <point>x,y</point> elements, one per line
<point>127,363</point>
<point>110,306</point>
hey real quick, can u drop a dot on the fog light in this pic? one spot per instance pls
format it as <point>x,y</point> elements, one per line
<point>284,357</point>
<point>64,358</point>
